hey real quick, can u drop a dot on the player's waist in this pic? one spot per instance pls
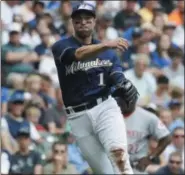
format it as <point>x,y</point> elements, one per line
<point>86,105</point>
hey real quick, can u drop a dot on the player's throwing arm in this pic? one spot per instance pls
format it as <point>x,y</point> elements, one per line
<point>87,70</point>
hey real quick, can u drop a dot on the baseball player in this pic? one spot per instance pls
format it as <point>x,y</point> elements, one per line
<point>87,69</point>
<point>141,125</point>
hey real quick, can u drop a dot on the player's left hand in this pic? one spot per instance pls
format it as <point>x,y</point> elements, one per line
<point>127,91</point>
<point>143,163</point>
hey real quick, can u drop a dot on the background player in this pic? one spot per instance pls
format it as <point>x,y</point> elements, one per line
<point>87,69</point>
<point>138,134</point>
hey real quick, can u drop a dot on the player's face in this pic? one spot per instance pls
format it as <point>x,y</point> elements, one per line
<point>83,24</point>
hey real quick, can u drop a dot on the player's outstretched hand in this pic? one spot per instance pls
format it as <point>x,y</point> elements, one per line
<point>120,43</point>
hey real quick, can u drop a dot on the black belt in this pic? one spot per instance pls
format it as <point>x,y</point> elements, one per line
<point>85,106</point>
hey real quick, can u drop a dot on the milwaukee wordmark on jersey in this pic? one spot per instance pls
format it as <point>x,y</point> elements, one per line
<point>84,66</point>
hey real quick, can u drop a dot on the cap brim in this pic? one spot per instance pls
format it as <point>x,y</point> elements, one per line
<point>77,12</point>
<point>23,135</point>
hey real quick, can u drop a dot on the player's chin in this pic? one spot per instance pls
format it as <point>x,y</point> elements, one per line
<point>84,33</point>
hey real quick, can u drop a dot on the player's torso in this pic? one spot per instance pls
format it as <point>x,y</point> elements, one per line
<point>137,135</point>
<point>83,80</point>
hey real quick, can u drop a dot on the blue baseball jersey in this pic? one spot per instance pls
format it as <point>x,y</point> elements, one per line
<point>85,80</point>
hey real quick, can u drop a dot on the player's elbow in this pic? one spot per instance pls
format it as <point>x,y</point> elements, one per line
<point>78,54</point>
<point>81,53</point>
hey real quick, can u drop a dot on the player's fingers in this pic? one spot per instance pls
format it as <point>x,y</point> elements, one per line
<point>121,48</point>
<point>123,42</point>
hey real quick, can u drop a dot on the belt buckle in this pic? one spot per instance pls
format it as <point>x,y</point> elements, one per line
<point>70,109</point>
<point>99,100</point>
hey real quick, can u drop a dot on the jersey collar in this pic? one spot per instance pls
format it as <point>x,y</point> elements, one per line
<point>94,41</point>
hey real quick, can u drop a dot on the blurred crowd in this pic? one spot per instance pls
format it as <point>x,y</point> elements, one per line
<point>35,135</point>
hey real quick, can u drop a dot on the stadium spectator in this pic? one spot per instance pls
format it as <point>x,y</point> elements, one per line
<point>58,164</point>
<point>165,116</point>
<point>46,42</point>
<point>127,17</point>
<point>176,68</point>
<point>17,57</point>
<point>75,156</point>
<point>161,96</point>
<point>47,89</point>
<point>105,27</point>
<point>49,20</point>
<point>173,166</point>
<point>134,44</point>
<point>178,35</point>
<point>25,161</point>
<point>160,56</point>
<point>33,114</point>
<point>176,145</point>
<point>175,108</point>
<point>149,35</point>
<point>54,118</point>
<point>14,119</point>
<point>159,22</point>
<point>143,80</point>
<point>64,12</point>
<point>147,11</point>
<point>177,14</point>
<point>169,29</point>
<point>38,9</point>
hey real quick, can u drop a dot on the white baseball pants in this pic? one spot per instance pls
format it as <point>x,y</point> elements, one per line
<point>98,131</point>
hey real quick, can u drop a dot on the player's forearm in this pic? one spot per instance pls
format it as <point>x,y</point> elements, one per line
<point>161,146</point>
<point>85,52</point>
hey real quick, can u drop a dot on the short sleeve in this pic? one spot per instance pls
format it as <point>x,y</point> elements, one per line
<point>4,51</point>
<point>156,128</point>
<point>63,53</point>
<point>34,133</point>
<point>116,73</point>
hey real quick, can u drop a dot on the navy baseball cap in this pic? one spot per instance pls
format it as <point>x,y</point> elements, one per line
<point>24,131</point>
<point>17,96</point>
<point>84,7</point>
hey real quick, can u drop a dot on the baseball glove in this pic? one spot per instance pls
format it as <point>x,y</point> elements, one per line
<point>128,92</point>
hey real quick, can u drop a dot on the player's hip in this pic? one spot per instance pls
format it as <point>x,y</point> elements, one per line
<point>102,103</point>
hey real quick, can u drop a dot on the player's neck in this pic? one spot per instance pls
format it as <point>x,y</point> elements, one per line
<point>85,41</point>
<point>127,115</point>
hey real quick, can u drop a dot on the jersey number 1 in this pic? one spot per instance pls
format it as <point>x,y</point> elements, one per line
<point>101,75</point>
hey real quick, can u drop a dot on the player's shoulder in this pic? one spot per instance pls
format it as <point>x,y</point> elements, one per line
<point>61,43</point>
<point>145,114</point>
